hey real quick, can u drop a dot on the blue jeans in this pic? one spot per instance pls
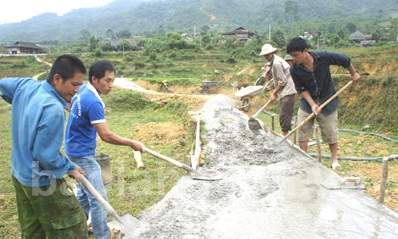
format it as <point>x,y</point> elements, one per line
<point>87,200</point>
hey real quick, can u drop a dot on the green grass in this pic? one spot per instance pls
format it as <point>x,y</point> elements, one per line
<point>21,67</point>
<point>8,224</point>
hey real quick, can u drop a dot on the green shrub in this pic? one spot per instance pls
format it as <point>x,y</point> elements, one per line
<point>119,100</point>
<point>98,52</point>
<point>139,64</point>
<point>231,60</point>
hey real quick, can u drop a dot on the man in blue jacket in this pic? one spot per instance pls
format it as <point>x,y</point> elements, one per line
<point>86,119</point>
<point>313,80</point>
<point>46,205</point>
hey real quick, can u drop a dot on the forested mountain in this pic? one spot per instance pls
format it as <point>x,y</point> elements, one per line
<point>153,17</point>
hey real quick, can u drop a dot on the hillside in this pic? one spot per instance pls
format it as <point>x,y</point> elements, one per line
<point>152,17</point>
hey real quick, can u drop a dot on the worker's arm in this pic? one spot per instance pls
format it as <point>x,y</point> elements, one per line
<point>112,138</point>
<point>266,74</point>
<point>314,106</point>
<point>48,140</point>
<point>280,79</point>
<point>355,77</point>
<point>8,87</point>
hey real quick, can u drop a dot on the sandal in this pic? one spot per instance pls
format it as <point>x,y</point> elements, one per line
<point>336,166</point>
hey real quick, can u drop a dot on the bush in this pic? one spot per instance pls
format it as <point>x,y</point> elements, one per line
<point>152,57</point>
<point>209,47</point>
<point>139,64</point>
<point>120,100</point>
<point>231,60</point>
<point>98,52</point>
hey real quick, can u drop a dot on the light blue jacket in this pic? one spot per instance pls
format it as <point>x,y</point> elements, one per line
<point>37,127</point>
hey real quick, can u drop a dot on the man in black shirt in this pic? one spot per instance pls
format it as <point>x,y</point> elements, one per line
<point>313,80</point>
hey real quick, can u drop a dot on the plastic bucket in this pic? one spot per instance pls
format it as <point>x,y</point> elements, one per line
<point>106,169</point>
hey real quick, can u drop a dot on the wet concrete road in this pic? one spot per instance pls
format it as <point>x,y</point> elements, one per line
<point>269,190</point>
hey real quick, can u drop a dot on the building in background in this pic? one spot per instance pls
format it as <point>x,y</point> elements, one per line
<point>21,47</point>
<point>241,33</point>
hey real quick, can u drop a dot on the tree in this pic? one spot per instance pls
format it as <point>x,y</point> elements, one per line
<point>94,43</point>
<point>108,47</point>
<point>110,34</point>
<point>123,34</point>
<point>291,9</point>
<point>351,27</point>
<point>394,23</point>
<point>206,39</point>
<point>85,34</point>
<point>279,38</point>
<point>205,28</point>
<point>375,34</point>
<point>341,34</point>
<point>161,31</point>
<point>173,36</point>
<point>126,46</point>
<point>334,38</point>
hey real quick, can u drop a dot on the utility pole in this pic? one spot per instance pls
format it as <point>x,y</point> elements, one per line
<point>269,33</point>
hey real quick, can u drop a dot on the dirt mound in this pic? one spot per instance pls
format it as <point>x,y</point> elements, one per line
<point>162,133</point>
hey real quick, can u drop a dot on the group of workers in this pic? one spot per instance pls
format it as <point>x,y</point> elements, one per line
<point>307,74</point>
<point>47,206</point>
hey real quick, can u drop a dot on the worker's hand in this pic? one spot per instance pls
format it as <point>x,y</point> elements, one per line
<point>274,96</point>
<point>355,77</point>
<point>76,173</point>
<point>138,146</point>
<point>315,109</point>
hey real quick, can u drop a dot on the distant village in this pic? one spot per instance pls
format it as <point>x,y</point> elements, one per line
<point>24,47</point>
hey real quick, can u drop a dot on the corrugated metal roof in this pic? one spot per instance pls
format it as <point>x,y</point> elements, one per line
<point>25,45</point>
<point>357,36</point>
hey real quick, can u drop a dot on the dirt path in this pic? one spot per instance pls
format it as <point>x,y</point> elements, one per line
<point>191,96</point>
<point>40,60</point>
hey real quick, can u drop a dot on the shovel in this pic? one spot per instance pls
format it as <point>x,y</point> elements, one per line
<point>208,175</point>
<point>320,107</point>
<point>346,183</point>
<point>128,222</point>
<point>254,123</point>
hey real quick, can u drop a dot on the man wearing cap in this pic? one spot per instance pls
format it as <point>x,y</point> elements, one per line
<point>288,59</point>
<point>285,90</point>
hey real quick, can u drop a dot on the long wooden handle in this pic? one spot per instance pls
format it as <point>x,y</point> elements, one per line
<point>138,160</point>
<point>100,199</point>
<point>320,107</point>
<point>170,160</point>
<point>261,109</point>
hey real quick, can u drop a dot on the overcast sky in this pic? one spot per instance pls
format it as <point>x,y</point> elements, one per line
<point>24,9</point>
